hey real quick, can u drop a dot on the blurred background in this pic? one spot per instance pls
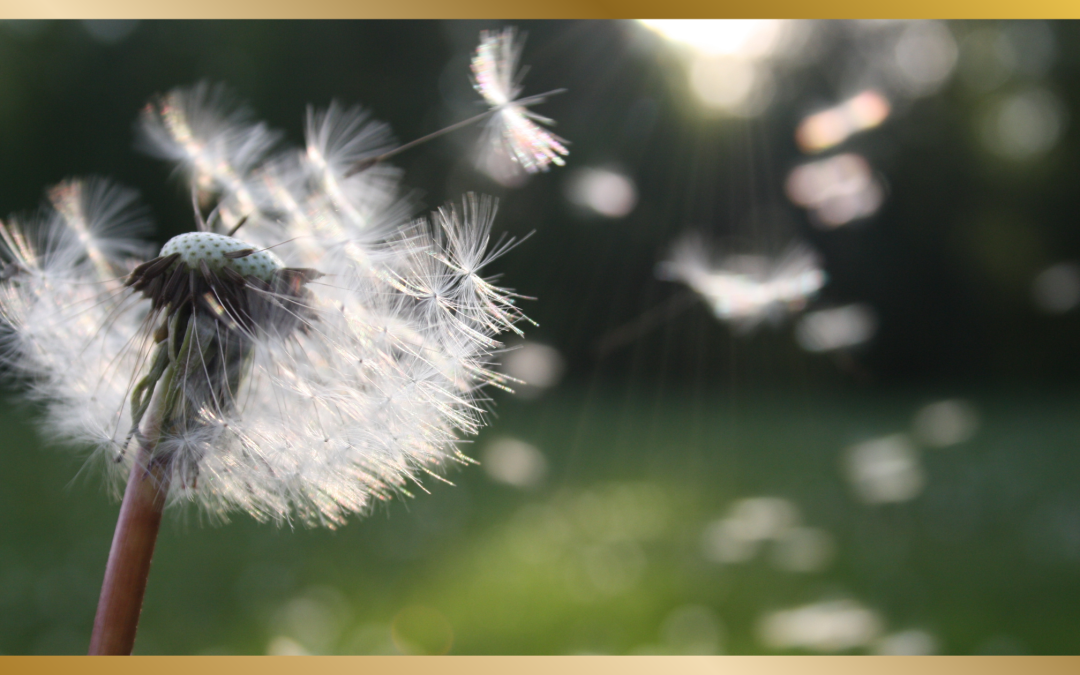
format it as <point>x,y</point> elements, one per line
<point>842,415</point>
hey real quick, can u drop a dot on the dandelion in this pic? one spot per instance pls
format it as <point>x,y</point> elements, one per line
<point>305,353</point>
<point>746,290</point>
<point>513,129</point>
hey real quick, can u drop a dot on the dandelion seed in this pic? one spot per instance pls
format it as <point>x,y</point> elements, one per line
<point>513,131</point>
<point>514,141</point>
<point>211,137</point>
<point>746,290</point>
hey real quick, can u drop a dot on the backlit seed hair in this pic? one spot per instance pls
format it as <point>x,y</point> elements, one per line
<point>307,351</point>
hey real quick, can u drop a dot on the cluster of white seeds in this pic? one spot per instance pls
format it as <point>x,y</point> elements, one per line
<point>374,389</point>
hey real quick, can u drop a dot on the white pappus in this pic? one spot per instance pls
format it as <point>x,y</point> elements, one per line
<point>513,129</point>
<point>307,351</point>
<point>745,290</point>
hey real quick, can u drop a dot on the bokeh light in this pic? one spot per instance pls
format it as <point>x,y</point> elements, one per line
<point>833,126</point>
<point>826,330</point>
<point>836,190</point>
<point>830,626</point>
<point>536,366</point>
<point>912,642</point>
<point>310,623</point>
<point>514,462</point>
<point>745,38</point>
<point>604,192</point>
<point>885,470</point>
<point>737,86</point>
<point>729,61</point>
<point>945,423</point>
<point>1024,125</point>
<point>926,55</point>
<point>1056,289</point>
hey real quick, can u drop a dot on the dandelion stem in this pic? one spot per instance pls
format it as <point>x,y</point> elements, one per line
<point>133,544</point>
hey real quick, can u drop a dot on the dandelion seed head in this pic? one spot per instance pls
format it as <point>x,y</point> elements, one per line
<point>325,358</point>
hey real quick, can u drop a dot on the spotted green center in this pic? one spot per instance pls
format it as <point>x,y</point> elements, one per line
<point>196,246</point>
